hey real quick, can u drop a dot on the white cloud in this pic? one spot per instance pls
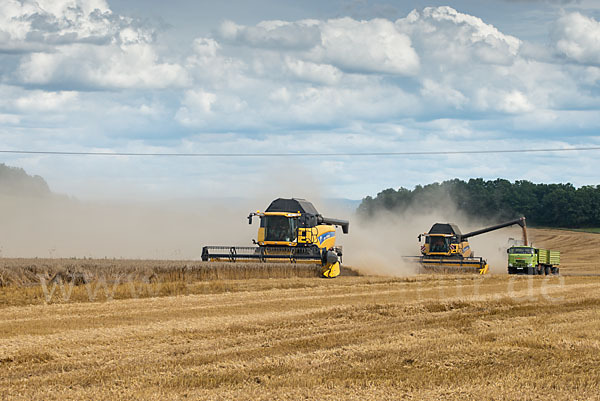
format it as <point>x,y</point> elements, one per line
<point>45,101</point>
<point>437,92</point>
<point>495,99</point>
<point>446,36</point>
<point>312,72</point>
<point>206,47</point>
<point>366,46</point>
<point>515,102</point>
<point>200,100</point>
<point>26,24</point>
<point>200,108</point>
<point>436,79</point>
<point>273,34</point>
<point>112,66</point>
<point>348,44</point>
<point>435,61</point>
<point>578,38</point>
<point>82,43</point>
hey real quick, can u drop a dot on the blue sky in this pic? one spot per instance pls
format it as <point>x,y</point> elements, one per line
<point>290,76</point>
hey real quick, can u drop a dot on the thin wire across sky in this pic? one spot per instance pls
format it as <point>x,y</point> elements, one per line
<point>300,154</point>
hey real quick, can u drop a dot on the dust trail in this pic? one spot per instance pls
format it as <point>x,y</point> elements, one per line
<point>378,244</point>
<point>59,226</point>
<point>64,227</point>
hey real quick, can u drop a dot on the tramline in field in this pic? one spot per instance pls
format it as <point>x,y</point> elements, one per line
<point>291,230</point>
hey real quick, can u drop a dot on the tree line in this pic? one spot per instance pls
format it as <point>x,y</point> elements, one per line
<point>544,205</point>
<point>15,181</point>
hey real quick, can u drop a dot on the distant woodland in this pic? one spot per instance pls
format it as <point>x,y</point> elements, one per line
<point>545,205</point>
<point>15,181</point>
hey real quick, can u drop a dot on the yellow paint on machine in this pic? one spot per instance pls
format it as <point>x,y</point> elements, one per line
<point>290,230</point>
<point>331,271</point>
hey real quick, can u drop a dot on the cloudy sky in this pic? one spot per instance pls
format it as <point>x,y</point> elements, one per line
<point>280,76</point>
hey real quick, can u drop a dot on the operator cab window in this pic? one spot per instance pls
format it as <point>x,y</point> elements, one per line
<point>438,244</point>
<point>521,251</point>
<point>280,228</point>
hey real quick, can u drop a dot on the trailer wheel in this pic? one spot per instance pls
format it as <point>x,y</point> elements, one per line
<point>547,270</point>
<point>553,269</point>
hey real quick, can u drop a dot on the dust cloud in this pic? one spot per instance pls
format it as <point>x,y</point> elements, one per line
<point>384,244</point>
<point>64,227</point>
<point>59,226</point>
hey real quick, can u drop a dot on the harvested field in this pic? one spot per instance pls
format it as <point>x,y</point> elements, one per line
<point>424,337</point>
<point>429,337</point>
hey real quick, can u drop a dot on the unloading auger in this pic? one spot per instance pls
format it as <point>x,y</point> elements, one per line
<point>447,249</point>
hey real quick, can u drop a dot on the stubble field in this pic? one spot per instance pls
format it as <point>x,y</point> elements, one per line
<point>422,337</point>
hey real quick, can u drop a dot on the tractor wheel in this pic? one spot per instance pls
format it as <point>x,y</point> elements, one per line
<point>530,271</point>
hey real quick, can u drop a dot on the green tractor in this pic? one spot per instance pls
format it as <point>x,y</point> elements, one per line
<point>532,261</point>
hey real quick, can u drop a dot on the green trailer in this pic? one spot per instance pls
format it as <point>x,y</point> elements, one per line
<point>530,260</point>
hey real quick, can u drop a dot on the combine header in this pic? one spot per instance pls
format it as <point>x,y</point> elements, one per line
<point>290,230</point>
<point>447,249</point>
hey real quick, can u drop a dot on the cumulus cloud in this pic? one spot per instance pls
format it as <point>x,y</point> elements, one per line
<point>45,101</point>
<point>438,92</point>
<point>366,46</point>
<point>313,72</point>
<point>43,24</point>
<point>577,37</point>
<point>82,44</point>
<point>434,79</point>
<point>445,54</point>
<point>81,66</point>
<point>345,43</point>
<point>273,34</point>
<point>448,36</point>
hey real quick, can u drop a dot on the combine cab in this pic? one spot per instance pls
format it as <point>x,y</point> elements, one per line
<point>290,230</point>
<point>446,249</point>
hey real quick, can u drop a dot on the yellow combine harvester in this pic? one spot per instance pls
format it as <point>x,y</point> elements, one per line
<point>290,230</point>
<point>447,249</point>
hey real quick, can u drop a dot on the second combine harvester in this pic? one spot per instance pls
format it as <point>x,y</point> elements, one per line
<point>291,230</point>
<point>446,248</point>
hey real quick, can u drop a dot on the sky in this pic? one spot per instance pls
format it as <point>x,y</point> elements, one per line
<point>342,76</point>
